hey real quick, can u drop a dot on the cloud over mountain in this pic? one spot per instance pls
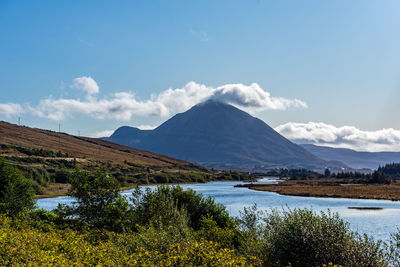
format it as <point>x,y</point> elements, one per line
<point>253,96</point>
<point>123,105</point>
<point>347,136</point>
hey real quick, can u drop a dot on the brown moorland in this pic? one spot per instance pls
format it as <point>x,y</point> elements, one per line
<point>339,188</point>
<point>40,154</point>
<point>81,148</point>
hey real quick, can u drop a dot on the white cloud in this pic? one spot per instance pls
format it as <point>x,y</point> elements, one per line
<point>10,109</point>
<point>124,105</point>
<point>86,84</point>
<point>146,127</point>
<point>346,136</point>
<point>105,133</point>
<point>253,96</point>
<point>120,106</point>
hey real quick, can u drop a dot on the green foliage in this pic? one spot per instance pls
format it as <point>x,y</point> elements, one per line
<point>161,233</point>
<point>377,177</point>
<point>303,238</point>
<point>169,226</point>
<point>16,192</point>
<point>391,170</point>
<point>148,204</point>
<point>227,237</point>
<point>23,245</point>
<point>61,175</point>
<point>35,152</point>
<point>249,223</point>
<point>161,178</point>
<point>393,249</point>
<point>98,201</point>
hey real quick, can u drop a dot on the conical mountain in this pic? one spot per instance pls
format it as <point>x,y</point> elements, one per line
<point>219,135</point>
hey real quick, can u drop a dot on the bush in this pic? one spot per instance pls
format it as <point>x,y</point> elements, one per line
<point>161,178</point>
<point>16,192</point>
<point>98,201</point>
<point>21,244</point>
<point>303,238</point>
<point>393,249</point>
<point>61,176</point>
<point>148,204</point>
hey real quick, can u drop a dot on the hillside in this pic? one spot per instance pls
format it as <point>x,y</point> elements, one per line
<point>218,135</point>
<point>47,158</point>
<point>354,159</point>
<point>14,138</point>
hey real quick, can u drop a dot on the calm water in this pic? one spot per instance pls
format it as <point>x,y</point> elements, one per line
<point>378,223</point>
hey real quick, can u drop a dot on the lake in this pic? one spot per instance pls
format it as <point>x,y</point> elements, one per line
<point>377,223</point>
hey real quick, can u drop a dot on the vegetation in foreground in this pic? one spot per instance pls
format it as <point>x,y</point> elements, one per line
<point>171,227</point>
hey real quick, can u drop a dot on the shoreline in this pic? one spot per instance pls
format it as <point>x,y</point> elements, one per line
<point>328,189</point>
<point>124,188</point>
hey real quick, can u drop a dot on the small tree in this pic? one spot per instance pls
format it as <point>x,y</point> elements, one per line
<point>98,201</point>
<point>16,192</point>
<point>327,173</point>
<point>378,177</point>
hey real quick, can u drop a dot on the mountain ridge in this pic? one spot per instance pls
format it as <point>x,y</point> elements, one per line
<point>219,135</point>
<point>352,158</point>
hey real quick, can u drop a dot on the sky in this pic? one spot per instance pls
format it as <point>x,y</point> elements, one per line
<point>322,72</point>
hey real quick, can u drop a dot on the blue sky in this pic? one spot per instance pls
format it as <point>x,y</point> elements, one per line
<point>341,59</point>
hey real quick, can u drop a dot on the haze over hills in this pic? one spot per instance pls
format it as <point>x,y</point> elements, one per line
<point>219,135</point>
<point>352,158</point>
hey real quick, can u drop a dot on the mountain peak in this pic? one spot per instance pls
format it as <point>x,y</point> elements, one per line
<point>219,135</point>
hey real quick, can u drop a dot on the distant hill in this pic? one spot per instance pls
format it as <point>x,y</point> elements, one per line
<point>21,141</point>
<point>219,135</point>
<point>354,159</point>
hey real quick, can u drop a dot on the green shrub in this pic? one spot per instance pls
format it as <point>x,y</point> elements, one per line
<point>98,201</point>
<point>303,238</point>
<point>228,237</point>
<point>23,245</point>
<point>146,205</point>
<point>37,188</point>
<point>161,178</point>
<point>16,192</point>
<point>61,176</point>
<point>393,249</point>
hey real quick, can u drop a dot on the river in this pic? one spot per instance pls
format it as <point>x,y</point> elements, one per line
<point>376,223</point>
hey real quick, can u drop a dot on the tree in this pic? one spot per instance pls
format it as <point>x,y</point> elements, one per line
<point>327,173</point>
<point>379,178</point>
<point>16,191</point>
<point>98,201</point>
